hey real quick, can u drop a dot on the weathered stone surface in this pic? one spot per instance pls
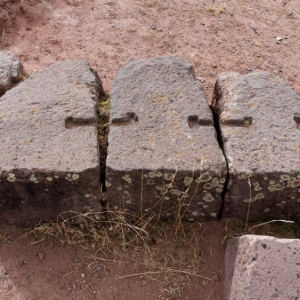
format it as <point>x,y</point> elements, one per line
<point>49,160</point>
<point>260,132</point>
<point>10,71</point>
<point>163,154</point>
<point>262,267</point>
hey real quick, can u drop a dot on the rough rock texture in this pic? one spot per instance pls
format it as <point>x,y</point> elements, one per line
<point>262,267</point>
<point>163,154</point>
<point>49,160</point>
<point>258,115</point>
<point>10,71</point>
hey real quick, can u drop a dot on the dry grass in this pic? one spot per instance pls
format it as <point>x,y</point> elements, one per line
<point>158,250</point>
<point>5,237</point>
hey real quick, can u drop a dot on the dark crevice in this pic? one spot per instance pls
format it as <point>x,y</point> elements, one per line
<point>103,130</point>
<point>216,111</point>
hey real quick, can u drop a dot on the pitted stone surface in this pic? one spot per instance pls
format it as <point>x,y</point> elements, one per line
<point>260,132</point>
<point>163,151</point>
<point>262,267</point>
<point>10,71</point>
<point>49,147</point>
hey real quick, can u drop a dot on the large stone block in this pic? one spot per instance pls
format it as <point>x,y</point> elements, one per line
<point>163,154</point>
<point>259,122</point>
<point>262,267</point>
<point>49,160</point>
<point>10,71</point>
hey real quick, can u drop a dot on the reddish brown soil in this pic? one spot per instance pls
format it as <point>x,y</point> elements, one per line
<point>70,273</point>
<point>216,36</point>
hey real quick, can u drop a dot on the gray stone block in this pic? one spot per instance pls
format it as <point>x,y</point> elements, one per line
<point>10,71</point>
<point>163,154</point>
<point>260,132</point>
<point>49,160</point>
<point>262,267</point>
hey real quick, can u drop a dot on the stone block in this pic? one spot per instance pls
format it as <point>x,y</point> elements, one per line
<point>10,71</point>
<point>262,267</point>
<point>163,155</point>
<point>258,117</point>
<point>49,156</point>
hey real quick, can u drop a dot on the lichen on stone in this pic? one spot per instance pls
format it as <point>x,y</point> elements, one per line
<point>205,177</point>
<point>293,183</point>
<point>188,180</point>
<point>208,198</point>
<point>285,177</point>
<point>275,187</point>
<point>155,174</point>
<point>169,176</point>
<point>127,178</point>
<point>33,178</point>
<point>215,182</point>
<point>244,176</point>
<point>150,182</point>
<point>11,177</point>
<point>208,186</point>
<point>175,192</point>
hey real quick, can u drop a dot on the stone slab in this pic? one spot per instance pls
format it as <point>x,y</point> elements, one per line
<point>49,156</point>
<point>10,71</point>
<point>262,267</point>
<point>260,131</point>
<point>163,154</point>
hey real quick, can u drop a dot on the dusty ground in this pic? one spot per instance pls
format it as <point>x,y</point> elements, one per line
<point>216,36</point>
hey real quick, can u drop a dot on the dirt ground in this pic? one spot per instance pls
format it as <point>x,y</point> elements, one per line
<point>216,36</point>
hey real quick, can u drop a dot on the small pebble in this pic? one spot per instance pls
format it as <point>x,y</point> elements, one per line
<point>41,255</point>
<point>82,275</point>
<point>153,27</point>
<point>248,68</point>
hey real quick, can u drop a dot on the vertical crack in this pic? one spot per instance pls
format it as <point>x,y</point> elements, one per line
<point>216,111</point>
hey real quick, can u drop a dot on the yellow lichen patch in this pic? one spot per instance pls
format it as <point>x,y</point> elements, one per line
<point>33,178</point>
<point>257,187</point>
<point>208,186</point>
<point>187,180</point>
<point>49,178</point>
<point>150,182</point>
<point>214,215</point>
<point>244,176</point>
<point>155,174</point>
<point>208,198</point>
<point>275,187</point>
<point>293,184</point>
<point>175,192</point>
<point>205,177</point>
<point>259,196</point>
<point>218,190</point>
<point>107,184</point>
<point>169,176</point>
<point>11,177</point>
<point>285,177</point>
<point>249,200</point>
<point>222,180</point>
<point>75,176</point>
<point>128,201</point>
<point>127,178</point>
<point>158,187</point>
